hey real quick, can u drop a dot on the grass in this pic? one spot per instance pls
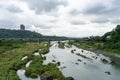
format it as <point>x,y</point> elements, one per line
<point>92,46</point>
<point>10,61</point>
<point>9,45</point>
<point>12,53</point>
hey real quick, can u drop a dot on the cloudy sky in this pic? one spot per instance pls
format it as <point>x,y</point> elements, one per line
<point>72,18</point>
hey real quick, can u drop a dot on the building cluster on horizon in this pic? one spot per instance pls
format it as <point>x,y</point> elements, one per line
<point>22,27</point>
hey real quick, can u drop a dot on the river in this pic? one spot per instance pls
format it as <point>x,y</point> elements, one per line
<point>79,64</point>
<point>80,68</point>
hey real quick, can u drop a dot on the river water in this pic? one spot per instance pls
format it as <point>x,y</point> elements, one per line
<point>77,63</point>
<point>89,66</point>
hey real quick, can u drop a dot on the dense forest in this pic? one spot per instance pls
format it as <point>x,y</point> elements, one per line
<point>24,34</point>
<point>7,33</point>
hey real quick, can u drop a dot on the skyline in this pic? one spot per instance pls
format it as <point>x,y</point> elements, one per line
<point>68,18</point>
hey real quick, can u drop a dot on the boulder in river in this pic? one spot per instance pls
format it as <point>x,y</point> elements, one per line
<point>77,63</point>
<point>72,51</point>
<point>104,61</point>
<point>53,61</point>
<point>63,67</point>
<point>79,60</point>
<point>107,72</point>
<point>58,63</point>
<point>94,57</point>
<point>82,51</point>
<point>112,62</point>
<point>84,62</point>
<point>83,56</point>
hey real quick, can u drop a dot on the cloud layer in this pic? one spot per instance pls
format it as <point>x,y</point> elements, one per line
<point>72,18</point>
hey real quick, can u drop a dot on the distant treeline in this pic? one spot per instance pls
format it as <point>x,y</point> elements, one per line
<point>24,34</point>
<point>113,36</point>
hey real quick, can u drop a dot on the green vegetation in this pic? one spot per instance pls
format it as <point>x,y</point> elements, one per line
<point>7,33</point>
<point>36,68</point>
<point>110,42</point>
<point>61,45</point>
<point>10,60</point>
<point>9,45</point>
<point>25,34</point>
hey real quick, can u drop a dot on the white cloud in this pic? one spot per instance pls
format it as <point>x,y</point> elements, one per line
<point>73,18</point>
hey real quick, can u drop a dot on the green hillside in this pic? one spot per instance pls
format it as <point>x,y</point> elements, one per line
<point>24,34</point>
<point>113,36</point>
<point>7,33</point>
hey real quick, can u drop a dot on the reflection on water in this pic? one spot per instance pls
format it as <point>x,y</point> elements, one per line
<point>21,74</point>
<point>27,65</point>
<point>82,64</point>
<point>24,58</point>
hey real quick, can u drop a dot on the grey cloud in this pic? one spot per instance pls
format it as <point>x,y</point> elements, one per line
<point>78,22</point>
<point>14,9</point>
<point>100,21</point>
<point>116,2</point>
<point>112,9</point>
<point>96,9</point>
<point>44,5</point>
<point>74,12</point>
<point>115,21</point>
<point>8,24</point>
<point>42,26</point>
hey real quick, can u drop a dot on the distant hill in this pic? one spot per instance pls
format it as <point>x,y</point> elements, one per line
<point>22,34</point>
<point>7,33</point>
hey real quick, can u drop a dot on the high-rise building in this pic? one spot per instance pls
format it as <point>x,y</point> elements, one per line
<point>22,27</point>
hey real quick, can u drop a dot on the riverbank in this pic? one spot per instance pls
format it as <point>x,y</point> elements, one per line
<point>115,57</point>
<point>96,48</point>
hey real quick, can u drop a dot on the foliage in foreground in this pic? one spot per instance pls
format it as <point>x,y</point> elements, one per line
<point>10,60</point>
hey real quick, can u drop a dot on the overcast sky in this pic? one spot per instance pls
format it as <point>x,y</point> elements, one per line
<point>71,18</point>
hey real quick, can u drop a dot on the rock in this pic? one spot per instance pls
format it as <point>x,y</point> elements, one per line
<point>112,62</point>
<point>72,51</point>
<point>43,77</point>
<point>53,61</point>
<point>70,78</point>
<point>77,63</point>
<point>104,61</point>
<point>58,63</point>
<point>94,57</point>
<point>63,67</point>
<point>83,56</point>
<point>79,60</point>
<point>84,62</point>
<point>82,51</point>
<point>107,72</point>
<point>78,54</point>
